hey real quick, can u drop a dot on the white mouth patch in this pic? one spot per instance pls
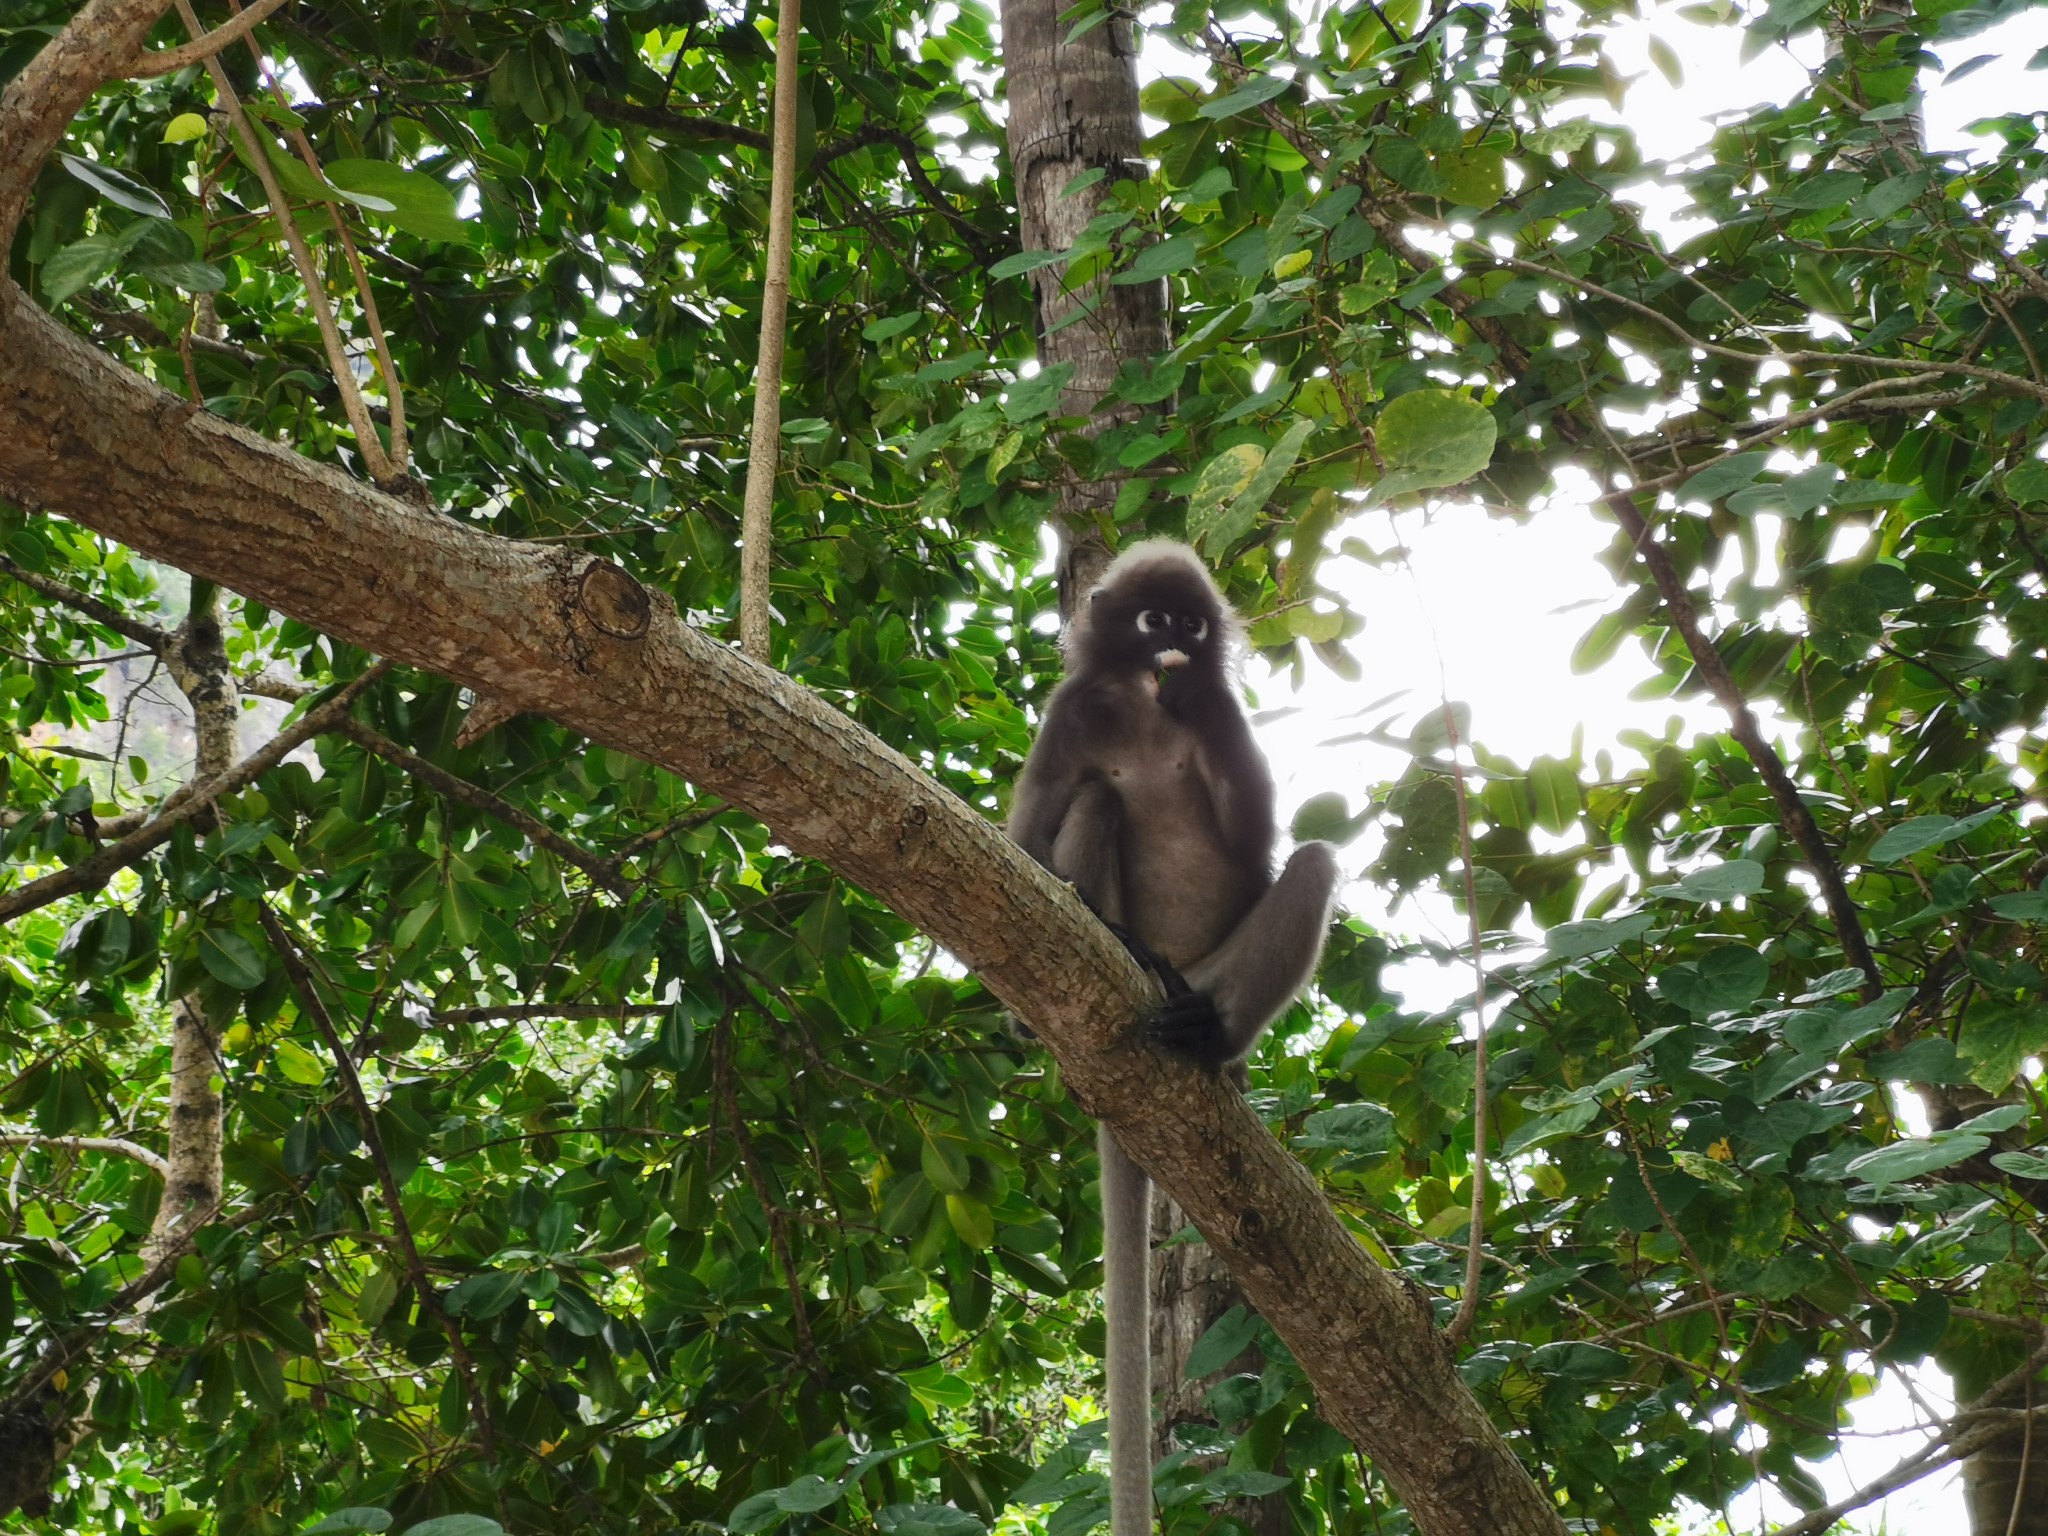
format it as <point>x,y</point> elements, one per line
<point>1172,658</point>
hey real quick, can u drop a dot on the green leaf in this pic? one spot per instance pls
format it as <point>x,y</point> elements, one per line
<point>1473,178</point>
<point>1225,1339</point>
<point>1157,260</point>
<point>1255,92</point>
<point>894,325</point>
<point>1246,506</point>
<point>191,276</point>
<point>1364,1129</point>
<point>1325,818</point>
<point>184,128</point>
<point>1576,941</point>
<point>418,203</point>
<point>2022,906</point>
<point>2026,1165</point>
<point>944,1160</point>
<point>456,1525</point>
<point>807,1495</point>
<point>1917,834</point>
<point>972,1220</point>
<point>117,187</point>
<point>1718,882</point>
<point>230,959</point>
<point>77,265</point>
<point>357,1518</point>
<point>2028,482</point>
<point>1022,262</point>
<point>1033,397</point>
<point>1911,1158</point>
<point>1431,438</point>
<point>1665,57</point>
<point>298,1064</point>
<point>1555,794</point>
<point>756,1514</point>
<point>1717,480</point>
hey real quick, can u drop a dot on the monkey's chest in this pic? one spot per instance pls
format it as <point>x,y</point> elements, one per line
<point>1183,892</point>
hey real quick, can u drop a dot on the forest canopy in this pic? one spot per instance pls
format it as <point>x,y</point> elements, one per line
<point>478,1056</point>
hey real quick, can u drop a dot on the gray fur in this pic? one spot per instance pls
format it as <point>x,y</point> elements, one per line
<point>1145,789</point>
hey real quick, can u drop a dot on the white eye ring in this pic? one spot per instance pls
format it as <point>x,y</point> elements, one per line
<point>1201,629</point>
<point>1151,619</point>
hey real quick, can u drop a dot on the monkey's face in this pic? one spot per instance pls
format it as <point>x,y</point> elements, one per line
<point>1159,617</point>
<point>1157,632</point>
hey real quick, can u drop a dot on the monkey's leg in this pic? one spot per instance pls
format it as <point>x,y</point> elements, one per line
<point>1243,984</point>
<point>1126,1297</point>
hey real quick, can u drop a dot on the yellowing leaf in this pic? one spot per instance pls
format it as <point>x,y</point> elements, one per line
<point>1292,263</point>
<point>1004,454</point>
<point>184,128</point>
<point>1222,479</point>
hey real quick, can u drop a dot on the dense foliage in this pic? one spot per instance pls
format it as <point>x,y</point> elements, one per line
<point>743,1207</point>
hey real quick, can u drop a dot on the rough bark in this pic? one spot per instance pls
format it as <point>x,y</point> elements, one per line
<point>198,660</point>
<point>1191,1289</point>
<point>1074,108</point>
<point>575,638</point>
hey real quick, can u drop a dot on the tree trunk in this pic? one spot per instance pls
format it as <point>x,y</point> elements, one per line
<point>198,661</point>
<point>1191,1289</point>
<point>1074,108</point>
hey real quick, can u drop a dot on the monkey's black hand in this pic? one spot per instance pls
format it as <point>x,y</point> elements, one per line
<point>1189,1025</point>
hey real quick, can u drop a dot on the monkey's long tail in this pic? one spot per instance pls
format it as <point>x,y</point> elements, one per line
<point>1126,1298</point>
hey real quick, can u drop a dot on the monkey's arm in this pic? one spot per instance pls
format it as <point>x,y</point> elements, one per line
<point>1240,784</point>
<point>1251,977</point>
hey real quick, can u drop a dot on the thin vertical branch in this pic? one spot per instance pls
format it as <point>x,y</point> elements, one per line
<point>764,447</point>
<point>1475,1245</point>
<point>367,442</point>
<point>394,396</point>
<point>1793,812</point>
<point>401,1229</point>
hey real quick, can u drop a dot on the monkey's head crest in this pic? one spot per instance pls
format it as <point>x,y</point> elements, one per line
<point>1155,610</point>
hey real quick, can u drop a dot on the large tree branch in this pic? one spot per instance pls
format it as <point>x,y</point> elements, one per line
<point>578,639</point>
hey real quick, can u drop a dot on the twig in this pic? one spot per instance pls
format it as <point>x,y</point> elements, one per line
<point>187,803</point>
<point>2019,1489</point>
<point>1793,812</point>
<point>778,1230</point>
<point>1475,1243</point>
<point>185,55</point>
<point>512,1013</point>
<point>604,871</point>
<point>764,444</point>
<point>401,1229</point>
<point>71,661</point>
<point>99,610</point>
<point>153,1161</point>
<point>1912,365</point>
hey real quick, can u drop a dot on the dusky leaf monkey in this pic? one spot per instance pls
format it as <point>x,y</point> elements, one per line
<point>1145,790</point>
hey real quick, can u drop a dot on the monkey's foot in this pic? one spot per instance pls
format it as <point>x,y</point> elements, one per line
<point>1189,1025</point>
<point>1148,957</point>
